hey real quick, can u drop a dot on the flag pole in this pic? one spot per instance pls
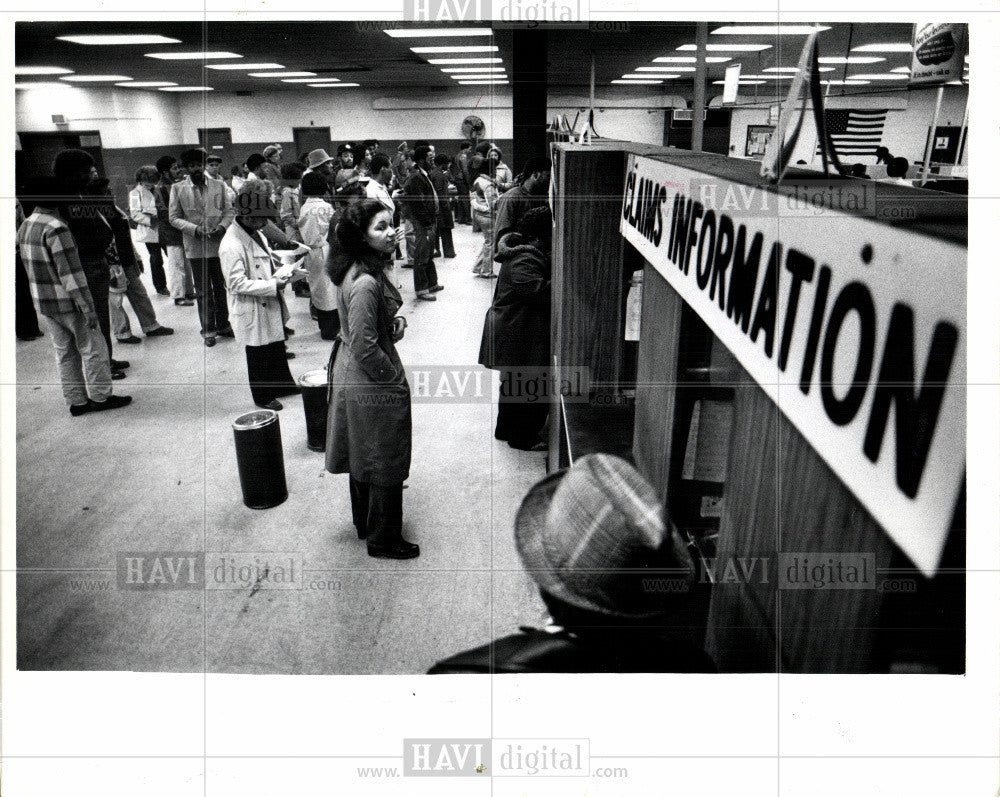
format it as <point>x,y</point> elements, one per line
<point>930,139</point>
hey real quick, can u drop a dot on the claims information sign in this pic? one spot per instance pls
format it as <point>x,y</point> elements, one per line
<point>855,329</point>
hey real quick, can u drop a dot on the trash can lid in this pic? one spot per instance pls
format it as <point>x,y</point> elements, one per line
<point>255,420</point>
<point>316,378</point>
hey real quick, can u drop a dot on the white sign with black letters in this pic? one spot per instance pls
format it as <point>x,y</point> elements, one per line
<point>855,329</point>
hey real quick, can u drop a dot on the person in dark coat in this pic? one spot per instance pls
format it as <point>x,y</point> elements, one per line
<point>422,203</point>
<point>369,425</point>
<point>445,190</point>
<point>459,172</point>
<point>516,331</point>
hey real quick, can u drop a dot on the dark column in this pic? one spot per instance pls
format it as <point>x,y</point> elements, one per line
<point>530,73</point>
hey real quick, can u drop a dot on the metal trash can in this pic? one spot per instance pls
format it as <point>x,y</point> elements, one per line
<point>313,385</point>
<point>260,459</point>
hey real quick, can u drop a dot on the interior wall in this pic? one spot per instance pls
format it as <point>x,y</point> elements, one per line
<point>905,132</point>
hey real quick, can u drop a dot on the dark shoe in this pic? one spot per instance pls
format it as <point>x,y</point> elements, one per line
<point>226,333</point>
<point>194,296</point>
<point>313,314</point>
<point>79,409</point>
<point>289,331</point>
<point>163,291</point>
<point>117,374</point>
<point>30,335</point>
<point>407,265</point>
<point>210,340</point>
<point>289,355</point>
<point>436,288</point>
<point>274,404</point>
<point>159,332</point>
<point>119,365</point>
<point>427,297</point>
<point>362,533</point>
<point>183,302</point>
<point>541,445</point>
<point>449,255</point>
<point>437,253</point>
<point>129,340</point>
<point>396,550</point>
<point>528,445</point>
<point>113,403</point>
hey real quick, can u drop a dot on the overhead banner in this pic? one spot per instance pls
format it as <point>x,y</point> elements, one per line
<point>855,329</point>
<point>939,51</point>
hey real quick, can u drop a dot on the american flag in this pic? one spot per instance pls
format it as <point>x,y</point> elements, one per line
<point>855,132</point>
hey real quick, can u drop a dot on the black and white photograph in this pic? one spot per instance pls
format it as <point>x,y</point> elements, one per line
<point>476,359</point>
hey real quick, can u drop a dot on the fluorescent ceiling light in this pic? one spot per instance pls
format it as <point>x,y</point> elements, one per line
<point>690,59</point>
<point>793,69</point>
<point>204,55</point>
<point>851,59</point>
<point>845,82</point>
<point>187,88</point>
<point>768,30</point>
<point>734,48</point>
<point>480,76</point>
<point>244,66</point>
<point>479,48</point>
<point>440,61</point>
<point>427,33</point>
<point>119,39</point>
<point>638,82</point>
<point>41,70</point>
<point>333,85</point>
<point>42,85</point>
<point>472,69</point>
<point>742,82</point>
<point>95,78</point>
<point>666,69</point>
<point>146,84</point>
<point>310,80</point>
<point>482,83</point>
<point>282,74</point>
<point>886,76</point>
<point>768,77</point>
<point>647,76</point>
<point>903,70</point>
<point>883,48</point>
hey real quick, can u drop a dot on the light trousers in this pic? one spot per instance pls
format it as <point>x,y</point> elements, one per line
<point>82,357</point>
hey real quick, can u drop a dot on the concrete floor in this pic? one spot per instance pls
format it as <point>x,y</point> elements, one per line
<point>161,475</point>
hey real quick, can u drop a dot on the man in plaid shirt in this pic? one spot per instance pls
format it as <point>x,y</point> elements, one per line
<point>65,306</point>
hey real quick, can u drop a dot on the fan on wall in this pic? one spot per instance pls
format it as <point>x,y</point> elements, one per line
<point>473,128</point>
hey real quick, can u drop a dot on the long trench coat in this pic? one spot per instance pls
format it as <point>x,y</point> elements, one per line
<point>256,307</point>
<point>369,425</point>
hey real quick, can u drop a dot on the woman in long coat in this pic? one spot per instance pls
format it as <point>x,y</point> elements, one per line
<point>257,309</point>
<point>369,426</point>
<point>516,330</point>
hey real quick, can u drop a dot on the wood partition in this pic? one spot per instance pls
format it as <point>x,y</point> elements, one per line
<point>764,495</point>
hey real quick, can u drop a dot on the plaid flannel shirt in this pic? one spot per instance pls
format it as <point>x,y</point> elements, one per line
<point>50,256</point>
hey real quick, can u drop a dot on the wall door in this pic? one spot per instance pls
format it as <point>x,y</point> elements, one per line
<point>309,138</point>
<point>216,141</point>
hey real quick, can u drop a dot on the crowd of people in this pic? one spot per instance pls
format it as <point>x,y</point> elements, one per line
<point>332,228</point>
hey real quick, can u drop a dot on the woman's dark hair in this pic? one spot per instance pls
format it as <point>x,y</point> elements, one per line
<point>313,184</point>
<point>292,171</point>
<point>487,167</point>
<point>254,161</point>
<point>164,162</point>
<point>71,162</point>
<point>379,162</point>
<point>351,245</point>
<point>442,159</point>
